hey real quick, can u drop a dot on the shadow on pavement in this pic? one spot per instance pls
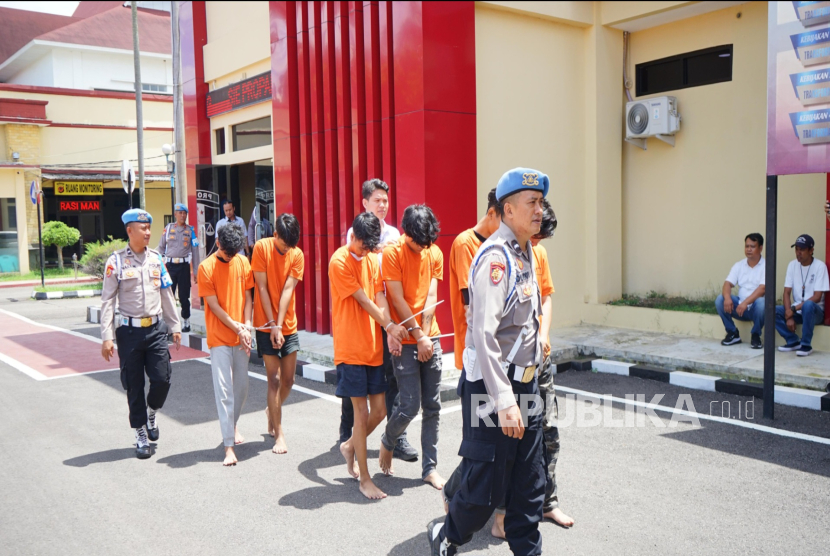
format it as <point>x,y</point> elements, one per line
<point>347,490</point>
<point>107,456</point>
<point>244,452</point>
<point>419,544</point>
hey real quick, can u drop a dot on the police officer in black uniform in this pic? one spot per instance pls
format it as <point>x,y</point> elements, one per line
<point>180,248</point>
<point>502,445</point>
<point>136,277</point>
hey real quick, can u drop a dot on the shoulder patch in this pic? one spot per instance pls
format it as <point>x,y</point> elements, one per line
<point>496,272</point>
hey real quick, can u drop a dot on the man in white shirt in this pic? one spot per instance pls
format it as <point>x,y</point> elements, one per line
<point>230,216</point>
<point>804,289</point>
<point>376,200</point>
<point>749,276</point>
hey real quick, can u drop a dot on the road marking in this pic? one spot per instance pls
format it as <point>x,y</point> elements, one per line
<point>724,420</point>
<point>56,328</point>
<point>25,369</point>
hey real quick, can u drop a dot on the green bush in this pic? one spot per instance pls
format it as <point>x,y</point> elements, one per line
<point>60,235</point>
<point>97,253</point>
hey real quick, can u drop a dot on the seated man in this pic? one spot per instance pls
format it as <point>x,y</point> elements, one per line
<point>749,276</point>
<point>804,289</point>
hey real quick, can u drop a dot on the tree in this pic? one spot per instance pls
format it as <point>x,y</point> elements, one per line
<point>60,235</point>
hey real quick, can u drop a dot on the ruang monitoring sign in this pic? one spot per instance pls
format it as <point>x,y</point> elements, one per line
<point>798,88</point>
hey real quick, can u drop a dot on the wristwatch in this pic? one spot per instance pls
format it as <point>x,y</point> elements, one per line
<point>792,307</point>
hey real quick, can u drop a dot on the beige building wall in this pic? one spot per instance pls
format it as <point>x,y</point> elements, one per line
<point>531,112</point>
<point>687,208</point>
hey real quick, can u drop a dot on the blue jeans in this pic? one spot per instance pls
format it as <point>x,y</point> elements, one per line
<point>811,315</point>
<point>755,314</point>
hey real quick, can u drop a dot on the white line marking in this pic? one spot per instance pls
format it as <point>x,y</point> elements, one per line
<point>735,422</point>
<point>25,369</point>
<point>49,326</point>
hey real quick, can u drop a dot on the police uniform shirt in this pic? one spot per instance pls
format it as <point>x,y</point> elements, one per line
<point>492,332</point>
<point>177,242</point>
<point>137,285</point>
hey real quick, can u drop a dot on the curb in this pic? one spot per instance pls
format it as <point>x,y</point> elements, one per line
<point>65,295</point>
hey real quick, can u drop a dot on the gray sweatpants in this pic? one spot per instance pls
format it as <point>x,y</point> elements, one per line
<point>419,385</point>
<point>229,366</point>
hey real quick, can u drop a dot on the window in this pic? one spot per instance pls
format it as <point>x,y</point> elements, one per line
<point>693,69</point>
<point>256,133</point>
<point>220,141</point>
<point>151,88</point>
<point>9,259</point>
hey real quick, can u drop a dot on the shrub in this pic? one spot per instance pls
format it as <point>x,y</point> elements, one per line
<point>60,235</point>
<point>97,253</point>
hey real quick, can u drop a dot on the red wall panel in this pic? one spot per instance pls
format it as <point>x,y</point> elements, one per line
<point>368,89</point>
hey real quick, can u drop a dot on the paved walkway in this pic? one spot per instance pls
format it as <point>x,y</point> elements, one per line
<point>669,351</point>
<point>50,282</point>
<point>45,352</point>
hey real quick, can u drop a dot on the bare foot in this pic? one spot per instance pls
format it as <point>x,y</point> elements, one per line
<point>560,517</point>
<point>498,526</point>
<point>348,453</point>
<point>279,445</point>
<point>435,480</point>
<point>268,420</point>
<point>370,491</point>
<point>230,457</point>
<point>385,460</point>
<point>237,438</point>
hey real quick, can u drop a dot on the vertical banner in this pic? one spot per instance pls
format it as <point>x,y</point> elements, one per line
<point>798,88</point>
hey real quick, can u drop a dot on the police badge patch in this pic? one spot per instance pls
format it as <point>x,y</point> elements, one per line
<point>496,272</point>
<point>109,271</point>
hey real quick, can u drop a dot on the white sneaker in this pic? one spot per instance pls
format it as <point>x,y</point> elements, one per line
<point>185,325</point>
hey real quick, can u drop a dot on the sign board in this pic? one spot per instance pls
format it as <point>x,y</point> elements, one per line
<point>79,188</point>
<point>245,93</point>
<point>798,88</point>
<point>33,191</point>
<point>79,206</point>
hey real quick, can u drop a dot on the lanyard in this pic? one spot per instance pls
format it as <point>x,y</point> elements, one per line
<point>803,286</point>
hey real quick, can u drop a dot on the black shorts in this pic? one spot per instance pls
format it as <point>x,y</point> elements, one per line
<point>359,381</point>
<point>263,342</point>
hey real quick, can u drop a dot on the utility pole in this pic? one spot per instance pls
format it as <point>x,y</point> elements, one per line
<point>139,112</point>
<point>178,107</point>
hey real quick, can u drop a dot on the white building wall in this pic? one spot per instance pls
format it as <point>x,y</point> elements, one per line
<point>40,73</point>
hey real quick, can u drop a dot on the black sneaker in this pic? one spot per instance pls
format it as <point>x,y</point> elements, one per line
<point>732,338</point>
<point>404,450</point>
<point>185,325</point>
<point>804,351</point>
<point>756,342</point>
<point>790,347</point>
<point>437,542</point>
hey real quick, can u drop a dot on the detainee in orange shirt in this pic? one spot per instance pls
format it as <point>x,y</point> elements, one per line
<point>358,306</point>
<point>225,281</point>
<point>464,248</point>
<point>412,268</point>
<point>278,264</point>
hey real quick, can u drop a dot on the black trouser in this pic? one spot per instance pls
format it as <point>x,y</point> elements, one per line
<point>143,350</point>
<point>393,398</point>
<point>496,467</point>
<point>180,274</point>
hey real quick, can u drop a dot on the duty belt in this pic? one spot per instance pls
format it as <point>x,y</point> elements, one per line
<point>522,374</point>
<point>143,322</point>
<point>177,260</point>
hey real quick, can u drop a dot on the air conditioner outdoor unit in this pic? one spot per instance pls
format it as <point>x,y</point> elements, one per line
<point>654,117</point>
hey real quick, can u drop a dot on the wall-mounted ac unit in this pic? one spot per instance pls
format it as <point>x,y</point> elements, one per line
<point>654,117</point>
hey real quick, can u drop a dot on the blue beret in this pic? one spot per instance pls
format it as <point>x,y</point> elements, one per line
<point>136,215</point>
<point>180,206</point>
<point>522,179</point>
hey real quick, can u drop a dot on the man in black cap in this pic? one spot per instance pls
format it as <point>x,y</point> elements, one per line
<point>804,289</point>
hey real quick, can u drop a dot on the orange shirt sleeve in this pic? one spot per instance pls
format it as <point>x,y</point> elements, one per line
<point>378,277</point>
<point>249,275</point>
<point>463,259</point>
<point>206,287</point>
<point>545,280</point>
<point>258,262</point>
<point>392,263</point>
<point>341,278</point>
<point>297,265</point>
<point>437,263</point>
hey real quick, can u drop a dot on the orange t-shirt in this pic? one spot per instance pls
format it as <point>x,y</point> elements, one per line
<point>278,267</point>
<point>228,281</point>
<point>414,271</point>
<point>540,260</point>
<point>463,250</point>
<point>357,339</point>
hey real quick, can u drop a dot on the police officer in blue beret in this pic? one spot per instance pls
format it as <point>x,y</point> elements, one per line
<point>137,278</point>
<point>180,248</point>
<point>502,445</point>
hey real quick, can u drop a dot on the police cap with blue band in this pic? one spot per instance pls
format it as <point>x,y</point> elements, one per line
<point>180,206</point>
<point>136,215</point>
<point>522,179</point>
